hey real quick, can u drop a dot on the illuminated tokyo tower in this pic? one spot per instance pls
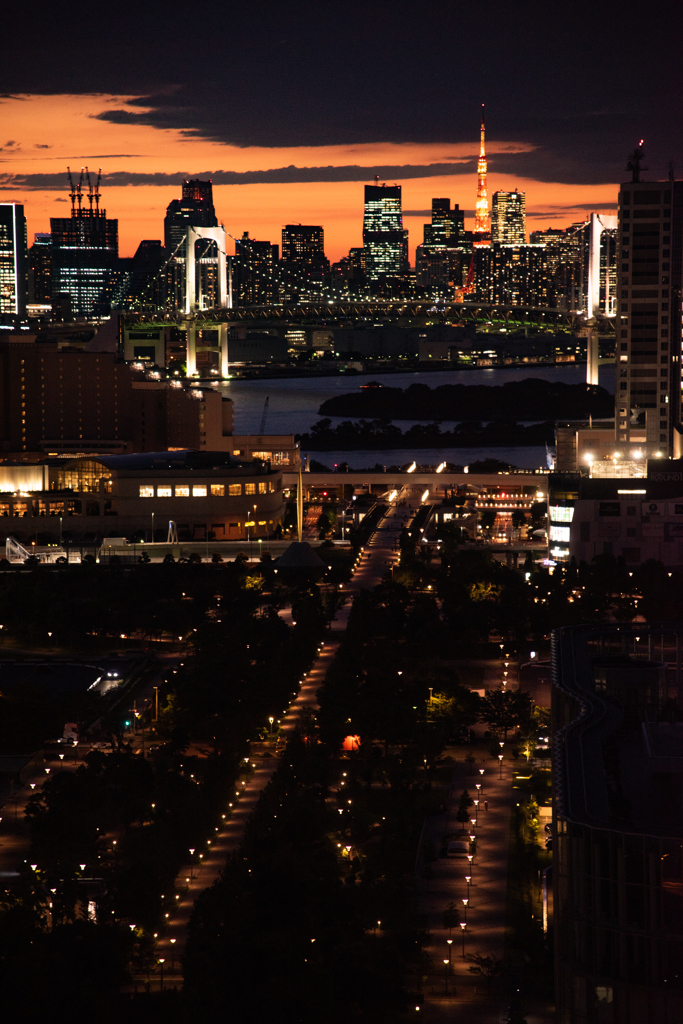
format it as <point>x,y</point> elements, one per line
<point>482,225</point>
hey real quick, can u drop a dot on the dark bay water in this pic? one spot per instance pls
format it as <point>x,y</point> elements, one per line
<point>294,404</point>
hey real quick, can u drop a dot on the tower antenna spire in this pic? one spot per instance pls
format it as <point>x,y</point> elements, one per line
<point>482,223</point>
<point>635,161</point>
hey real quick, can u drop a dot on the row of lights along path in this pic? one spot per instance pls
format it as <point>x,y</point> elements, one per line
<point>205,866</point>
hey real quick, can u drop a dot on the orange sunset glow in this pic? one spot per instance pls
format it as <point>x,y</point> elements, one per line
<point>44,134</point>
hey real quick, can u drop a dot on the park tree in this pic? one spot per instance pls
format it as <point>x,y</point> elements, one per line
<point>504,709</point>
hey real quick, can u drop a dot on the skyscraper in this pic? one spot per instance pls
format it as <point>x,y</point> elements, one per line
<point>12,262</point>
<point>508,218</point>
<point>648,327</point>
<point>194,209</point>
<point>303,246</point>
<point>482,227</point>
<point>85,251</point>
<point>256,266</point>
<point>512,275</point>
<point>40,269</point>
<point>383,237</point>
<point>447,227</point>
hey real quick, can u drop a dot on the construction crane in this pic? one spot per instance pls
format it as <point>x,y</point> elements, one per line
<point>75,192</point>
<point>93,192</point>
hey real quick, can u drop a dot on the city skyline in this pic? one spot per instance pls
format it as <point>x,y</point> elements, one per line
<point>273,186</point>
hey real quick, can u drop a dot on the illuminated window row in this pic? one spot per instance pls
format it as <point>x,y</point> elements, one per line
<point>203,490</point>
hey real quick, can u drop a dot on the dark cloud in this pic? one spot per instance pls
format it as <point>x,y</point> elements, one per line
<point>280,175</point>
<point>580,83</point>
<point>592,206</point>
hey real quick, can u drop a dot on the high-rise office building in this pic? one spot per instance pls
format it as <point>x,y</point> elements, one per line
<point>511,275</point>
<point>303,246</point>
<point>447,226</point>
<point>648,326</point>
<point>40,269</point>
<point>85,252</point>
<point>508,218</point>
<point>12,262</point>
<point>617,835</point>
<point>383,236</point>
<point>444,251</point>
<point>256,265</point>
<point>194,209</point>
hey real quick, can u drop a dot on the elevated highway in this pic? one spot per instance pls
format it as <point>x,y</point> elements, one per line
<point>526,484</point>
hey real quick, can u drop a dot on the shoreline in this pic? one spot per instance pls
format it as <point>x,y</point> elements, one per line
<point>336,371</point>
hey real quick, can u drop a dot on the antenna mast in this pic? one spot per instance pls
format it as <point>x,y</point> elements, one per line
<point>635,160</point>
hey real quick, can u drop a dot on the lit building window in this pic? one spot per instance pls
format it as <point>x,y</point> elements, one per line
<point>164,492</point>
<point>218,490</point>
<point>250,488</point>
<point>182,491</point>
<point>199,491</point>
<point>560,514</point>
<point>560,533</point>
<point>234,490</point>
<point>263,488</point>
<point>146,491</point>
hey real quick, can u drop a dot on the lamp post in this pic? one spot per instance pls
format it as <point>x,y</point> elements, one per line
<point>191,855</point>
<point>500,766</point>
<point>465,903</point>
<point>470,857</point>
<point>463,925</point>
<point>468,879</point>
<point>152,527</point>
<point>161,966</point>
<point>450,948</point>
<point>172,941</point>
<point>446,965</point>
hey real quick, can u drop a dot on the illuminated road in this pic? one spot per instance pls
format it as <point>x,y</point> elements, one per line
<point>372,565</point>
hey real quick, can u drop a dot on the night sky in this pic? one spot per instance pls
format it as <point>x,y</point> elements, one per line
<point>291,107</point>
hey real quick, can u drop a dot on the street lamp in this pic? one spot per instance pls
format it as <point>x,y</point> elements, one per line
<point>500,766</point>
<point>191,855</point>
<point>446,963</point>
<point>450,944</point>
<point>465,902</point>
<point>463,925</point>
<point>470,857</point>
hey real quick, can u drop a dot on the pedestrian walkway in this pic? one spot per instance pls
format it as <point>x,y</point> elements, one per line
<point>204,867</point>
<point>452,992</point>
